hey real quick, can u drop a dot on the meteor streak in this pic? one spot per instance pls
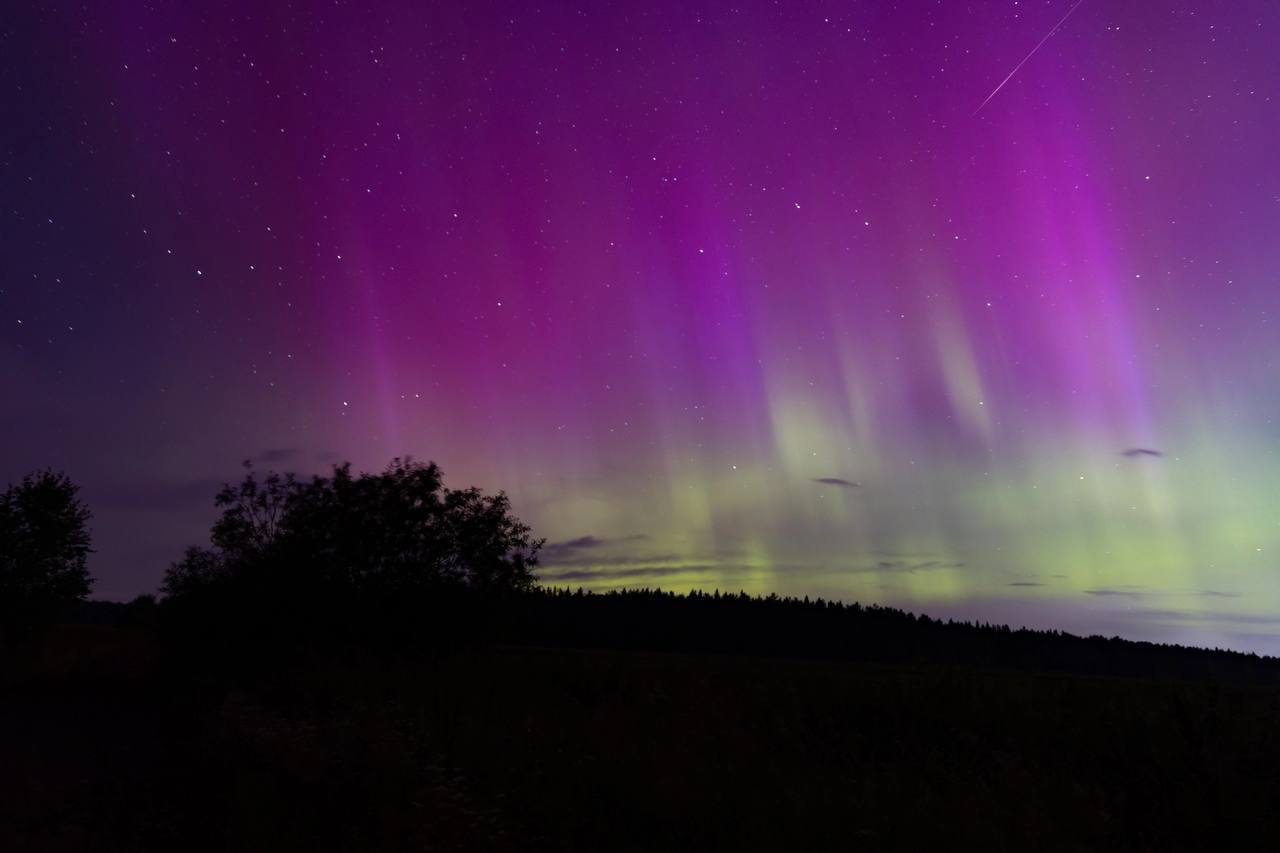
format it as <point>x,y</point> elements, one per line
<point>1047,36</point>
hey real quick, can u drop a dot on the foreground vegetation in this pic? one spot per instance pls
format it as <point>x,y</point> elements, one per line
<point>516,747</point>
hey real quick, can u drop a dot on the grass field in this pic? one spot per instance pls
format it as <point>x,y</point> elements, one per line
<point>517,748</point>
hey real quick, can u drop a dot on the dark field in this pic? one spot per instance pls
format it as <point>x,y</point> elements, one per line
<point>515,748</point>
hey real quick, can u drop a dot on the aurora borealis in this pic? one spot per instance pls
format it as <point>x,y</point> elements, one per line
<point>738,295</point>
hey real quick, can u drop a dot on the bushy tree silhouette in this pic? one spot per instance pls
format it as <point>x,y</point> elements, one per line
<point>397,530</point>
<point>44,545</point>
<point>295,559</point>
<point>402,530</point>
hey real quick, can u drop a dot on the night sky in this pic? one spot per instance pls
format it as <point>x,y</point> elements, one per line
<point>764,296</point>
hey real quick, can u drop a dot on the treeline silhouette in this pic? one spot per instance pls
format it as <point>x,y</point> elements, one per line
<point>737,623</point>
<point>395,561</point>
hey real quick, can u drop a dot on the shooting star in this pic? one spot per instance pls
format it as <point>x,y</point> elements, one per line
<point>1039,44</point>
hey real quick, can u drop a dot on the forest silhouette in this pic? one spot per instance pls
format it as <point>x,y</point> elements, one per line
<point>367,660</point>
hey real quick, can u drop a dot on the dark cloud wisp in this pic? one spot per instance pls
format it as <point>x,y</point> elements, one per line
<point>581,548</point>
<point>837,481</point>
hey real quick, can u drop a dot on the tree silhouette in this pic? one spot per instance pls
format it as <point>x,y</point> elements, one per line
<point>198,569</point>
<point>330,539</point>
<point>253,513</point>
<point>295,565</point>
<point>44,543</point>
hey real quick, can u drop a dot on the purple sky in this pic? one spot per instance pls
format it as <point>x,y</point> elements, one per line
<point>658,269</point>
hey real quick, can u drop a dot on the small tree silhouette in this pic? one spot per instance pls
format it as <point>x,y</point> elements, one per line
<point>253,513</point>
<point>44,544</point>
<point>198,569</point>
